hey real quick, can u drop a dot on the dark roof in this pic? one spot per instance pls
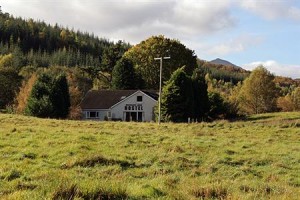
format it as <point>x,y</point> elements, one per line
<point>104,99</point>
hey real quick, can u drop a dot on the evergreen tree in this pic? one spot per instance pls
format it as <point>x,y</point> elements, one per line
<point>60,97</point>
<point>218,108</point>
<point>200,95</point>
<point>49,97</point>
<point>111,55</point>
<point>39,102</point>
<point>124,76</point>
<point>177,103</point>
<point>10,82</point>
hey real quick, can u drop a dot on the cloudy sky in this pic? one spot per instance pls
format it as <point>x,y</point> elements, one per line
<point>245,32</point>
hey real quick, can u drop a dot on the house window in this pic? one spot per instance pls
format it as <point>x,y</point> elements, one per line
<point>139,98</point>
<point>94,114</point>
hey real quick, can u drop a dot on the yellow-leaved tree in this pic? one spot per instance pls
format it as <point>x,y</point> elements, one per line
<point>259,93</point>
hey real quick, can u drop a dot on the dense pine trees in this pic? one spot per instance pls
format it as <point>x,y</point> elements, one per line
<point>42,45</point>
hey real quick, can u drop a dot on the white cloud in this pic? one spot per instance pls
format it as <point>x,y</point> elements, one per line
<point>196,23</point>
<point>276,68</point>
<point>272,9</point>
<point>132,20</point>
<point>235,45</point>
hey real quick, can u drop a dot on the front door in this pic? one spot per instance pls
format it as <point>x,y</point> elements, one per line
<point>133,116</point>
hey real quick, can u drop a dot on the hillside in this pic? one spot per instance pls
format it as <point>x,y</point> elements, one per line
<point>39,44</point>
<point>227,71</point>
<point>253,159</point>
<point>223,70</point>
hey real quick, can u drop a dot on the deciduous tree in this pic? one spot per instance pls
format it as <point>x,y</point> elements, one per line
<point>143,54</point>
<point>23,95</point>
<point>259,92</point>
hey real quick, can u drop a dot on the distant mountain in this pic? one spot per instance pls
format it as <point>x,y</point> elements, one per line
<point>219,61</point>
<point>223,70</point>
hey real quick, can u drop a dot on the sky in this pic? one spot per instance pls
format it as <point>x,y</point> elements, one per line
<point>247,33</point>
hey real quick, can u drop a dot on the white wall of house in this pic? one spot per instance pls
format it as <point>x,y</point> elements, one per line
<point>131,104</point>
<point>137,107</point>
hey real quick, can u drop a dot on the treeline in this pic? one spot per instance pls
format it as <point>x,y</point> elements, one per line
<point>42,45</point>
<point>39,36</point>
<point>28,47</point>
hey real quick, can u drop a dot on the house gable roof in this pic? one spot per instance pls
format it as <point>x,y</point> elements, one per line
<point>105,99</point>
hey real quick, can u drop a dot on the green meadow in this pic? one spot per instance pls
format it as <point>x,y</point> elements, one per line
<point>257,158</point>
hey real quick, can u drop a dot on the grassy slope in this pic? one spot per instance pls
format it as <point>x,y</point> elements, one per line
<point>53,159</point>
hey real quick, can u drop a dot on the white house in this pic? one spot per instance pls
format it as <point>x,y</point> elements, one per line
<point>123,105</point>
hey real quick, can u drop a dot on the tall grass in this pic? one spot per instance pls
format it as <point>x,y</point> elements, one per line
<point>50,159</point>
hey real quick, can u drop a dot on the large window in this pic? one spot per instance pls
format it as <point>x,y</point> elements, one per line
<point>139,98</point>
<point>93,114</point>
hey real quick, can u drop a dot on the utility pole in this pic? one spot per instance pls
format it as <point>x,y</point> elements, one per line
<point>160,82</point>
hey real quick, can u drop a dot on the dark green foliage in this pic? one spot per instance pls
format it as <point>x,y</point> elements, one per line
<point>10,82</point>
<point>49,97</point>
<point>111,55</point>
<point>217,106</point>
<point>60,97</point>
<point>28,34</point>
<point>201,104</point>
<point>124,76</point>
<point>185,97</point>
<point>39,103</point>
<point>177,98</point>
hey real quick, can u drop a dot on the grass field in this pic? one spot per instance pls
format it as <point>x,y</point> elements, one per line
<point>258,158</point>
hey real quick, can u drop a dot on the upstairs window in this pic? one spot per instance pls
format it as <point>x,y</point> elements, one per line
<point>139,98</point>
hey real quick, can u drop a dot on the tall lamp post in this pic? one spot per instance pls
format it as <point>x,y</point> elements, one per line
<point>159,93</point>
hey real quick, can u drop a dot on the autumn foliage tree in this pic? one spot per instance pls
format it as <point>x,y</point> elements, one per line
<point>259,92</point>
<point>23,95</point>
<point>142,55</point>
<point>290,102</point>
